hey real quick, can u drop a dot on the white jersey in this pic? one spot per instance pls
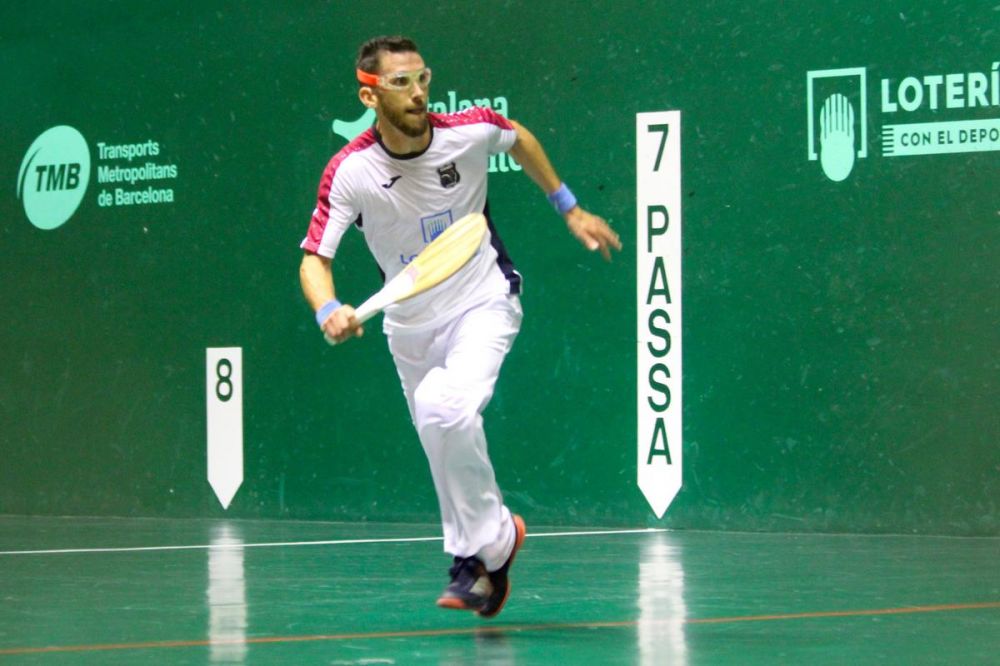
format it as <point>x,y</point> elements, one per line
<point>402,202</point>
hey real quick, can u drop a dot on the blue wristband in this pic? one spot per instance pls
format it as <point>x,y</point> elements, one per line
<point>326,310</point>
<point>562,199</point>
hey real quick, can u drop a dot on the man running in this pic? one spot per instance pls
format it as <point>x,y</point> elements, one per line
<point>402,182</point>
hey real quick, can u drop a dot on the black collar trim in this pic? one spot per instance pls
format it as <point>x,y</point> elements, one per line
<point>402,156</point>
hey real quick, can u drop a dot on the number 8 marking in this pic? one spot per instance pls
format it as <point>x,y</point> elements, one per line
<point>225,379</point>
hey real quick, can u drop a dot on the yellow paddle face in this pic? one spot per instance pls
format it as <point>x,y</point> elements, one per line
<point>446,253</point>
<point>437,262</point>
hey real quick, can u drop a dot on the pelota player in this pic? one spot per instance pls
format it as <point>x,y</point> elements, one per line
<point>401,183</point>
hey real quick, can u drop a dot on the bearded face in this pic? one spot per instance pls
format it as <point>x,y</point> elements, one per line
<point>408,115</point>
<point>403,106</point>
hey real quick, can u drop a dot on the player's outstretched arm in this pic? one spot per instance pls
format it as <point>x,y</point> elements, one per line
<point>336,320</point>
<point>591,230</point>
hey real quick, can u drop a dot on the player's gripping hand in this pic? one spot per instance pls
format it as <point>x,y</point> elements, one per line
<point>342,324</point>
<point>593,232</point>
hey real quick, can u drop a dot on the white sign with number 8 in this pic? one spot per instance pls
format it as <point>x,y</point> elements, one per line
<point>224,400</point>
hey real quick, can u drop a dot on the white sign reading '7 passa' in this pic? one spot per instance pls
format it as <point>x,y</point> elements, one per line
<point>658,299</point>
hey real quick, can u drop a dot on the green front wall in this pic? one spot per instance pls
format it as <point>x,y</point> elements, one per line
<point>840,368</point>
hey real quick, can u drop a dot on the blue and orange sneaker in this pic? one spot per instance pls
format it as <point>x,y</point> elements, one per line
<point>474,588</point>
<point>470,586</point>
<point>499,579</point>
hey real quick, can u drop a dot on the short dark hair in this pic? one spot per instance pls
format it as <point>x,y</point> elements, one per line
<point>368,54</point>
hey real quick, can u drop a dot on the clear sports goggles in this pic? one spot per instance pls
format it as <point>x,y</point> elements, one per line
<point>400,81</point>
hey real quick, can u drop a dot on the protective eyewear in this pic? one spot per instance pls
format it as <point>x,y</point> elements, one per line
<point>400,81</point>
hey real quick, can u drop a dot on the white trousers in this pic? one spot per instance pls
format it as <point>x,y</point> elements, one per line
<point>448,375</point>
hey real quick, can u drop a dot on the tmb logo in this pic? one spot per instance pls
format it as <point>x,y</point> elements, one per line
<point>836,125</point>
<point>54,176</point>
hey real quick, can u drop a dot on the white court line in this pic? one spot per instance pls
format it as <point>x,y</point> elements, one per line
<point>277,544</point>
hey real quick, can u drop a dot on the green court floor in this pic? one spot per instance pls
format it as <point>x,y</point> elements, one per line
<point>125,591</point>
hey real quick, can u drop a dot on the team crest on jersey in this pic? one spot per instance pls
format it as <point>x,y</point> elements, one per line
<point>449,175</point>
<point>433,225</point>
